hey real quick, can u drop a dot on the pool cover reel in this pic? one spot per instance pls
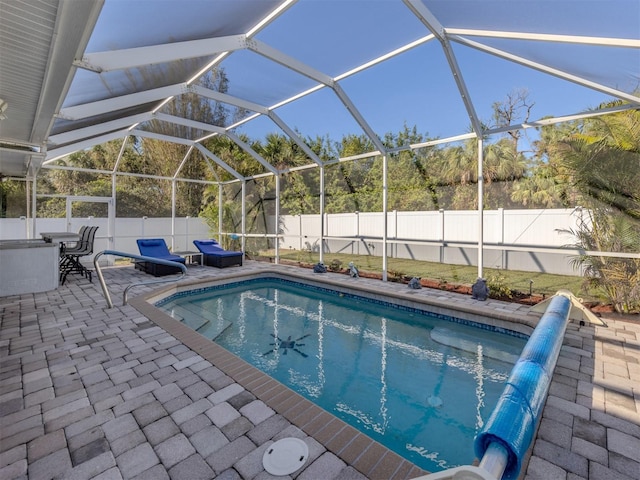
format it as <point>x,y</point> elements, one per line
<point>514,420</point>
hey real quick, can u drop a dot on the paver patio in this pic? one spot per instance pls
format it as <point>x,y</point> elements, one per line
<point>94,393</point>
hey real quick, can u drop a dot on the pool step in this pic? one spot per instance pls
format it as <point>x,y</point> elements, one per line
<point>207,309</point>
<point>200,319</point>
<point>187,316</point>
<point>213,330</point>
<point>469,343</point>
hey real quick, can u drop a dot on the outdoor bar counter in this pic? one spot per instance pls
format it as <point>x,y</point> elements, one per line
<point>28,266</point>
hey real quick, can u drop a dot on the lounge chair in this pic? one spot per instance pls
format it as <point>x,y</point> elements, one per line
<point>156,248</point>
<point>216,256</point>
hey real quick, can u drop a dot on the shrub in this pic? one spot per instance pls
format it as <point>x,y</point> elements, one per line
<point>618,278</point>
<point>335,265</point>
<point>498,287</point>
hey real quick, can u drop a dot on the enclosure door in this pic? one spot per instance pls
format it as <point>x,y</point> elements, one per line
<point>96,211</point>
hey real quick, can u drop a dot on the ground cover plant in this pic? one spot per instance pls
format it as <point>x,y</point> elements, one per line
<point>518,283</point>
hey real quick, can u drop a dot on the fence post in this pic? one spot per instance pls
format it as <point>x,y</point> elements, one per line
<point>442,246</point>
<point>300,231</point>
<point>142,226</point>
<point>503,255</point>
<point>186,242</point>
<point>357,232</point>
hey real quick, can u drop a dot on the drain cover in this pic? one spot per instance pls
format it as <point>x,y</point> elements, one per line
<point>285,456</point>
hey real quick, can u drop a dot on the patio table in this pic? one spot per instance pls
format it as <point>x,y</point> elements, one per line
<point>190,256</point>
<point>60,237</point>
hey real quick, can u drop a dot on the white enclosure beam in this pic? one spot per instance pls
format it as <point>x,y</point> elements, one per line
<point>160,136</point>
<point>217,160</point>
<point>430,21</point>
<point>244,215</point>
<point>120,155</point>
<point>247,148</point>
<point>225,98</point>
<point>124,101</point>
<point>480,208</point>
<point>155,54</point>
<point>173,215</point>
<point>271,17</point>
<point>344,98</point>
<point>74,147</point>
<point>566,118</point>
<point>34,209</point>
<point>441,141</point>
<point>289,62</point>
<point>545,37</point>
<point>185,122</point>
<point>207,160</point>
<point>277,219</point>
<point>125,174</point>
<point>386,56</point>
<point>322,222</point>
<point>294,136</point>
<point>549,70</point>
<point>184,160</point>
<point>309,72</point>
<point>385,221</point>
<point>99,129</point>
<point>426,17</point>
<point>220,211</point>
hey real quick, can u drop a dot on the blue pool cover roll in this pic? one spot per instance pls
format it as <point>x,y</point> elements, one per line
<point>513,422</point>
<point>510,426</point>
<point>545,342</point>
<point>530,381</point>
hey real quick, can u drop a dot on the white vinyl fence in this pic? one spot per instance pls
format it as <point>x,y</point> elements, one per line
<point>528,240</point>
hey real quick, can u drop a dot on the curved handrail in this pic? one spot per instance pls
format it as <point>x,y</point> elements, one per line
<point>143,258</point>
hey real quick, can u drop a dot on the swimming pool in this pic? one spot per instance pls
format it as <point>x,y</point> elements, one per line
<point>421,385</point>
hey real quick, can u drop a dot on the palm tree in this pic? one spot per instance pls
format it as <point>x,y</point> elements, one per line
<point>605,163</point>
<point>617,278</point>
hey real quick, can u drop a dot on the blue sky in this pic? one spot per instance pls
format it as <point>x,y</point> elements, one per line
<point>389,103</point>
<point>417,88</point>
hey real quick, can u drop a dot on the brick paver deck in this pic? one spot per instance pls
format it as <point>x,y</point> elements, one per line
<point>94,393</point>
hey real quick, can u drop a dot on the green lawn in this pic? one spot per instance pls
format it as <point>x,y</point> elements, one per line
<point>543,283</point>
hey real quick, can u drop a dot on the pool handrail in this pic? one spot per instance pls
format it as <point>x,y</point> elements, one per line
<point>143,258</point>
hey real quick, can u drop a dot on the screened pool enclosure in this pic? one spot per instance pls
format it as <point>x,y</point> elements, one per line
<point>268,116</point>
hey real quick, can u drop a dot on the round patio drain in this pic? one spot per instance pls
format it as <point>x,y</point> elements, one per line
<point>285,456</point>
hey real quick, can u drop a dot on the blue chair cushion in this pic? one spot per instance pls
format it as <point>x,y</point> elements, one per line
<point>216,256</point>
<point>157,248</point>
<point>211,247</point>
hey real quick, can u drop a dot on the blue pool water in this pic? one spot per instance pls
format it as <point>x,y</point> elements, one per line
<point>421,385</point>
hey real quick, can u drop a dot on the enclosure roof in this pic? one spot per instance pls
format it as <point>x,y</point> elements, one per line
<point>77,74</point>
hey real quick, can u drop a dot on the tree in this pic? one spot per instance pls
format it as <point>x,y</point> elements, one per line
<point>514,109</point>
<point>605,161</point>
<point>12,196</point>
<point>166,157</point>
<point>549,181</point>
<point>502,166</point>
<point>604,158</point>
<point>618,278</point>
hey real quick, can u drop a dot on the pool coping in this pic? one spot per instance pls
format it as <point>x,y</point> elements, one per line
<point>425,299</point>
<point>355,448</point>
